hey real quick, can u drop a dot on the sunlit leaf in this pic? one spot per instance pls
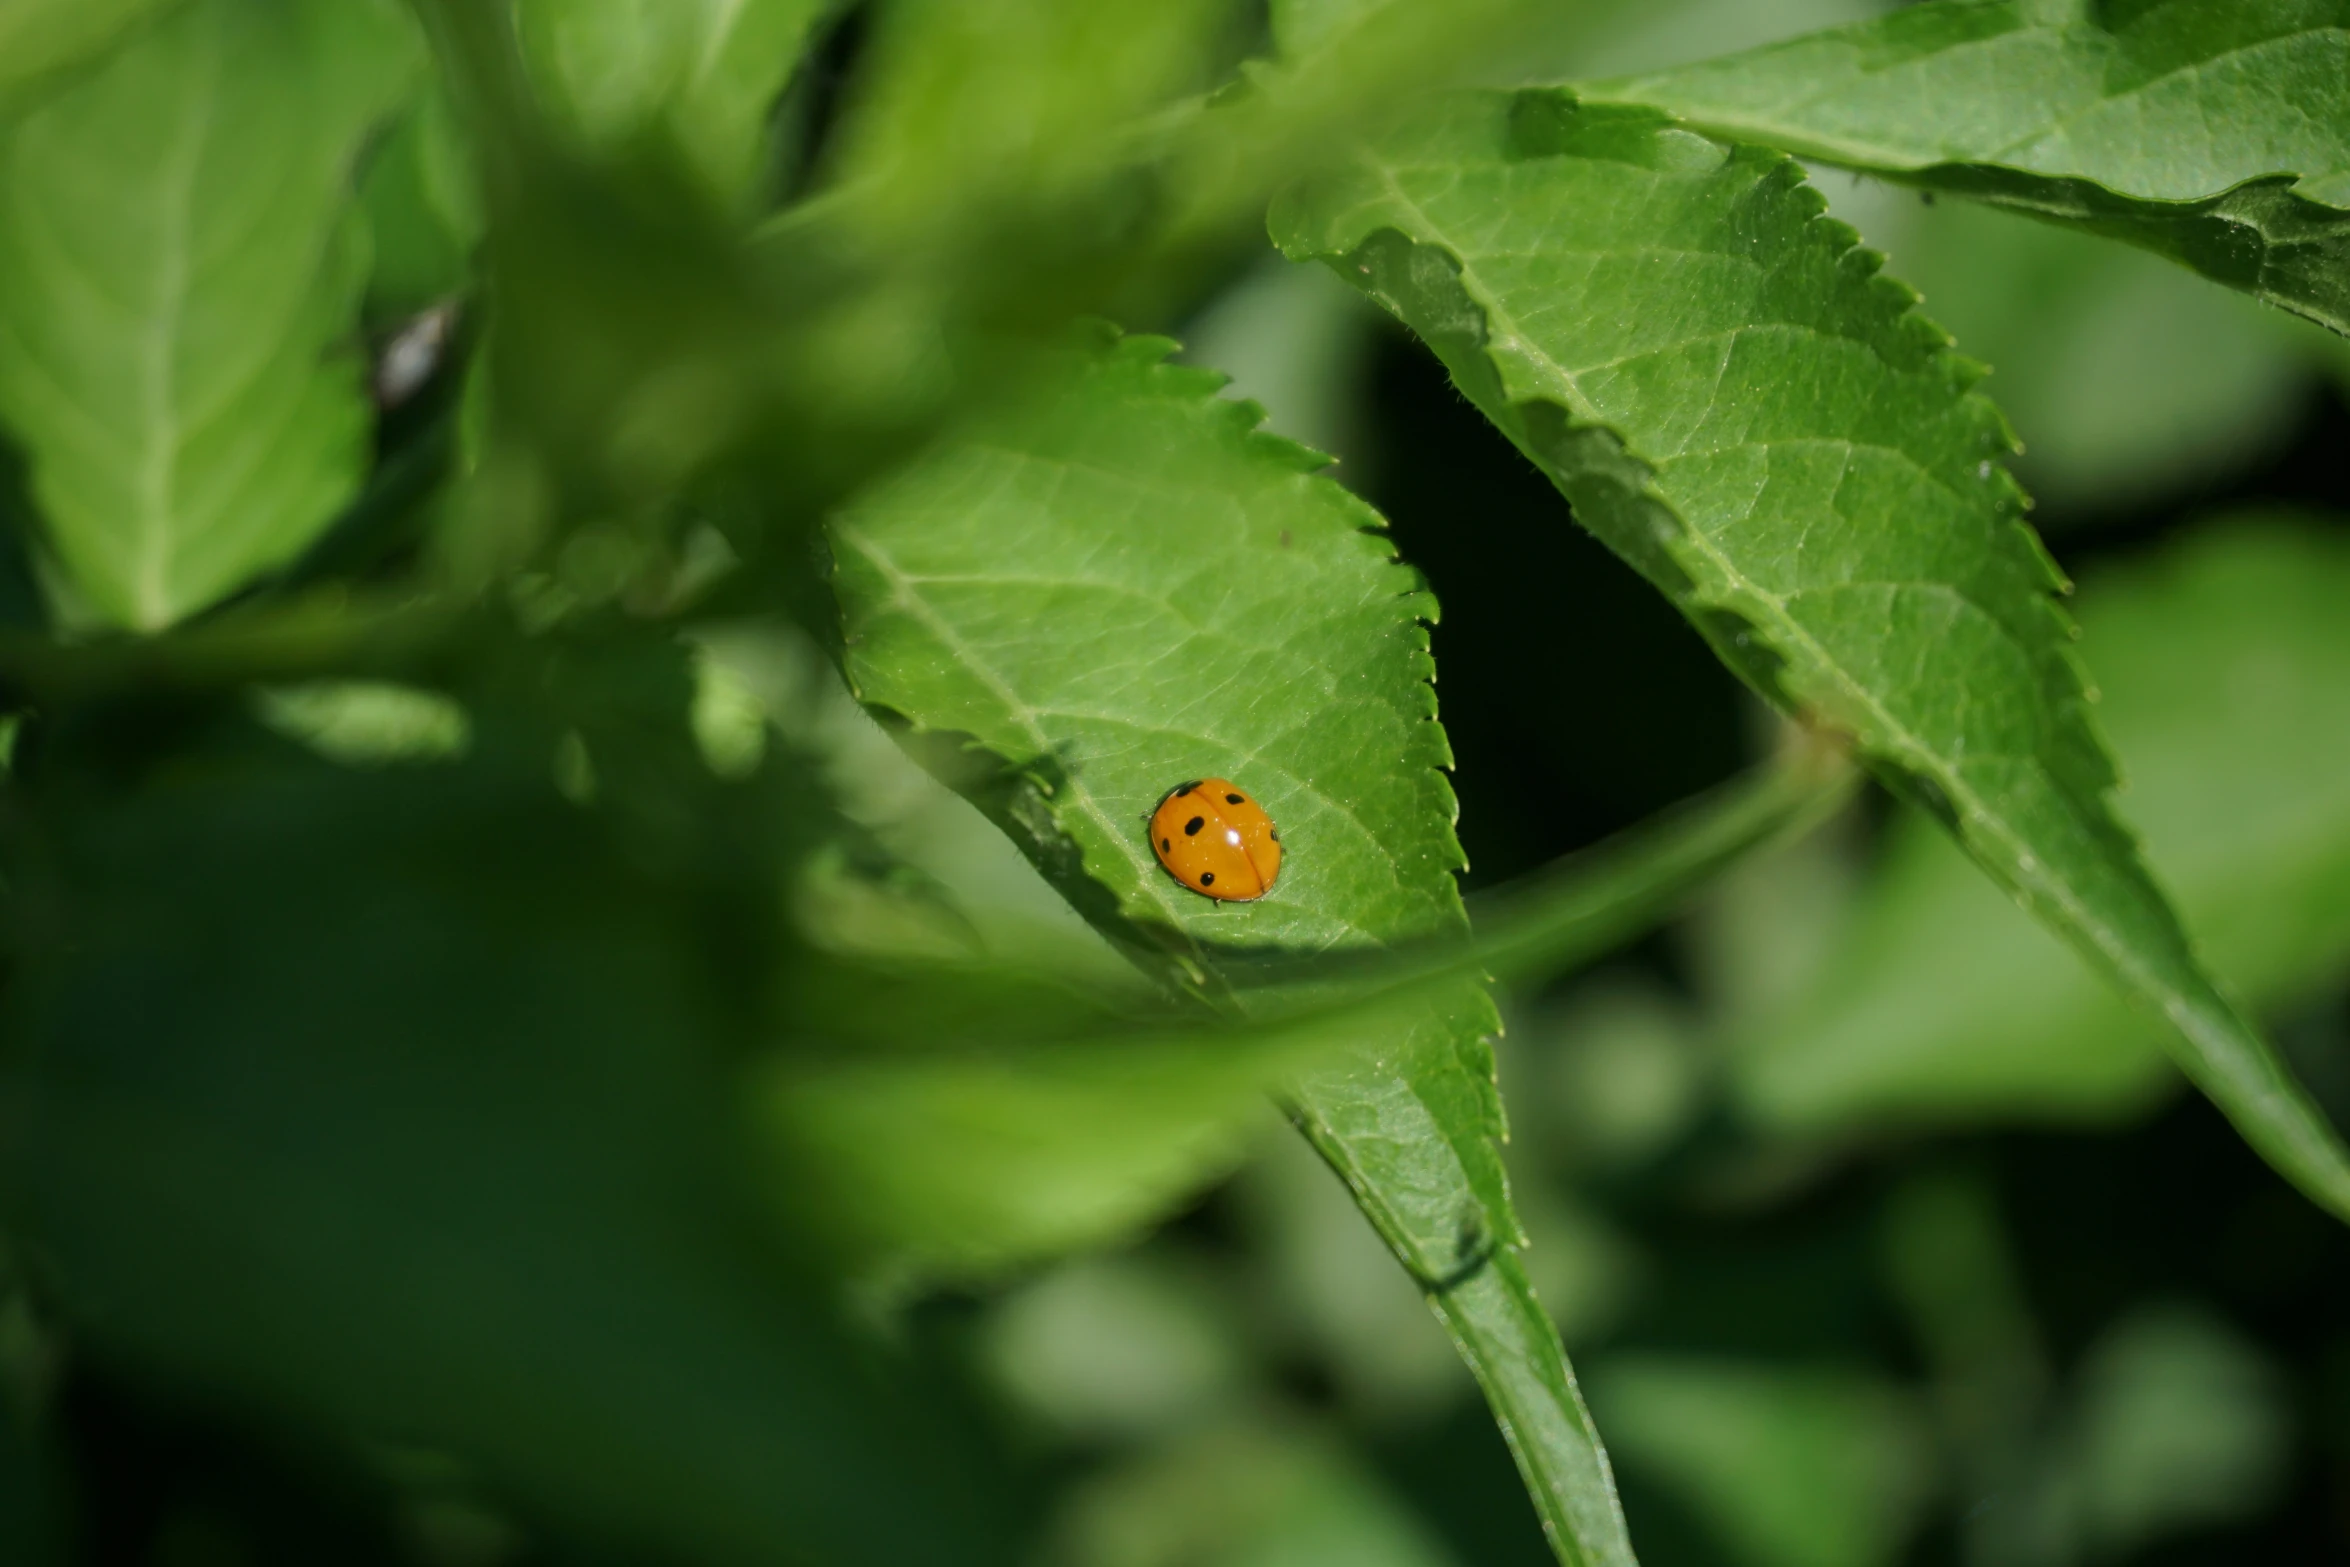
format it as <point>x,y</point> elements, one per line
<point>179,276</point>
<point>1736,402</point>
<point>1210,608</point>
<point>2216,132</point>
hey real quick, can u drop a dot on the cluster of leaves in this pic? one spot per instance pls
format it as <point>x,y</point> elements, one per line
<point>451,1006</point>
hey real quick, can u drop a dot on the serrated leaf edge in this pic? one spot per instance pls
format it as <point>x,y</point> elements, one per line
<point>2230,1061</point>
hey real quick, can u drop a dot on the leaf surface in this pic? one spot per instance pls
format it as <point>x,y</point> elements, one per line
<point>40,40</point>
<point>391,1099</point>
<point>1733,399</point>
<point>423,206</point>
<point>1127,588</point>
<point>953,1121</point>
<point>2216,132</point>
<point>964,116</point>
<point>179,279</point>
<point>705,72</point>
<point>2225,667</point>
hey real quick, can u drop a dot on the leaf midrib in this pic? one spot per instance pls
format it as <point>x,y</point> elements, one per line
<point>151,591</point>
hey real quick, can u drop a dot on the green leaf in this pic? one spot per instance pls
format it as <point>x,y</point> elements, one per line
<point>41,40</point>
<point>972,113</point>
<point>706,73</point>
<point>2215,132</point>
<point>1736,402</point>
<point>179,277</point>
<point>423,210</point>
<point>397,1105</point>
<point>959,1120</point>
<point>1125,588</point>
<point>2225,674</point>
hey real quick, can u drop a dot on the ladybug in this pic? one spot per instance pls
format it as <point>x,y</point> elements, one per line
<point>1216,840</point>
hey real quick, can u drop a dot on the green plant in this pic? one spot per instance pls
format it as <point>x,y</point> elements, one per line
<point>436,891</point>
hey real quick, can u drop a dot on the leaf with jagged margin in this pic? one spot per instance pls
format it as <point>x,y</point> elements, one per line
<point>706,73</point>
<point>42,40</point>
<point>957,1119</point>
<point>179,280</point>
<point>1732,397</point>
<point>2225,666</point>
<point>2214,132</point>
<point>1128,587</point>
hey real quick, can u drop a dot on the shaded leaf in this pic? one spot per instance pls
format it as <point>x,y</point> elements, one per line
<point>179,278</point>
<point>423,209</point>
<point>28,1494</point>
<point>1126,588</point>
<point>1736,402</point>
<point>389,1103</point>
<point>2225,673</point>
<point>2215,132</point>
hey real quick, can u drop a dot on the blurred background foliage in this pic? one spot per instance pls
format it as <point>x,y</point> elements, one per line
<point>1881,1232</point>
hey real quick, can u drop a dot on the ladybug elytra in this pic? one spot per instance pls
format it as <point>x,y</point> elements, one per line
<point>1216,840</point>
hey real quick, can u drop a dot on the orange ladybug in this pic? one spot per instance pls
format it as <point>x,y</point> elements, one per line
<point>1216,840</point>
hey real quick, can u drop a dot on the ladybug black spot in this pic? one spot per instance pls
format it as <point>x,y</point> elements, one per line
<point>1166,846</point>
<point>1207,878</point>
<point>1191,828</point>
<point>1276,835</point>
<point>1234,799</point>
<point>1186,788</point>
